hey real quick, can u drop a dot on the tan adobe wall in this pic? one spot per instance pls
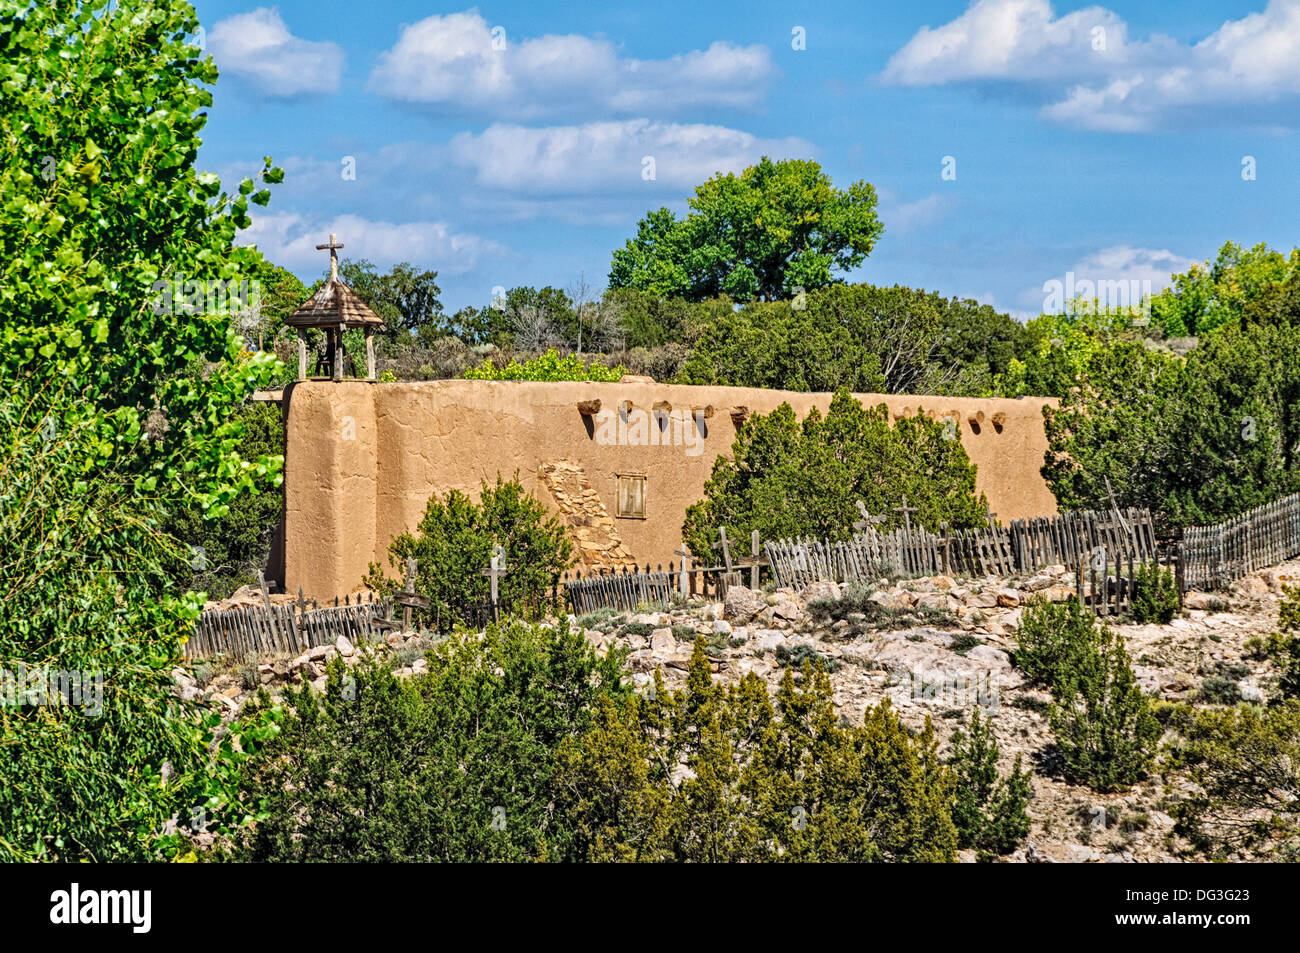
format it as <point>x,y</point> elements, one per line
<point>362,459</point>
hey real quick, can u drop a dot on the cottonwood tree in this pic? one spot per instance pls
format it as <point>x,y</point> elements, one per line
<point>106,426</point>
<point>775,228</point>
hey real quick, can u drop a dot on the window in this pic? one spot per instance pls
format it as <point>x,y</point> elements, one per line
<point>629,496</point>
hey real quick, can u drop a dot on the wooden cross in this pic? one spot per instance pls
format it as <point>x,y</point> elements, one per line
<point>300,602</point>
<point>496,570</point>
<point>723,545</point>
<point>333,247</point>
<point>990,516</point>
<point>266,593</point>
<point>755,559</point>
<point>407,598</point>
<point>946,542</point>
<point>906,511</point>
<point>867,520</point>
<point>685,584</point>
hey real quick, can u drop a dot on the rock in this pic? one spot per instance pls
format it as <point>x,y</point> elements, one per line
<point>1250,692</point>
<point>321,652</point>
<point>420,665</point>
<point>1008,598</point>
<point>988,655</point>
<point>642,661</point>
<point>935,601</point>
<point>1252,586</point>
<point>1039,582</point>
<point>767,640</point>
<point>714,610</point>
<point>943,583</point>
<point>1199,600</point>
<point>786,610</point>
<point>895,599</point>
<point>819,590</point>
<point>595,637</point>
<point>344,646</point>
<point>1057,593</point>
<point>721,627</point>
<point>967,856</point>
<point>662,641</point>
<point>742,604</point>
<point>984,599</point>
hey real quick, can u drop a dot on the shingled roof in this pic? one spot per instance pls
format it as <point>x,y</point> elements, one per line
<point>333,304</point>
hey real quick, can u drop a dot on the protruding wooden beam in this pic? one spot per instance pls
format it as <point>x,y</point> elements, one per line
<point>999,420</point>
<point>705,412</point>
<point>663,406</point>
<point>977,418</point>
<point>589,408</point>
<point>739,414</point>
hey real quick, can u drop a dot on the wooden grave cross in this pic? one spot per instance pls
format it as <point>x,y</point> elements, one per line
<point>731,577</point>
<point>407,598</point>
<point>868,521</point>
<point>496,569</point>
<point>685,583</point>
<point>990,516</point>
<point>907,512</point>
<point>755,559</point>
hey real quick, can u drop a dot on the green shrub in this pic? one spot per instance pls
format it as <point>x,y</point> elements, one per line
<point>989,809</point>
<point>803,652</point>
<point>1219,690</point>
<point>237,544</point>
<point>1155,594</point>
<point>1051,637</point>
<point>789,478</point>
<point>523,745</point>
<point>547,367</point>
<point>453,543</point>
<point>458,764</point>
<point>1102,722</point>
<point>1241,762</point>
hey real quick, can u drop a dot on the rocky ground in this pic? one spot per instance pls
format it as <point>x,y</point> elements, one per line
<point>937,647</point>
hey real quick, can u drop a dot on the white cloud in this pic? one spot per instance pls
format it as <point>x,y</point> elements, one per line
<point>455,62</point>
<point>900,218</point>
<point>1118,270</point>
<point>259,48</point>
<point>605,157</point>
<point>290,240</point>
<point>1094,75</point>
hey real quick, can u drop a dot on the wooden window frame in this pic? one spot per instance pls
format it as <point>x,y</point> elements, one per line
<point>618,496</point>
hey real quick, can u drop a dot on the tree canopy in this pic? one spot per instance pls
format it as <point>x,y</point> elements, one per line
<point>775,228</point>
<point>790,478</point>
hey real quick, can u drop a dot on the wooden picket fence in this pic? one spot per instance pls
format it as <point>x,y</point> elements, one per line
<point>622,590</point>
<point>285,628</point>
<point>1215,556</point>
<point>1106,580</point>
<point>1019,547</point>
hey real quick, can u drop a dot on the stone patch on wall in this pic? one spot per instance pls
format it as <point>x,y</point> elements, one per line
<point>590,525</point>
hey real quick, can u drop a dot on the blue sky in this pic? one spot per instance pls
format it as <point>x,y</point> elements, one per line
<point>504,144</point>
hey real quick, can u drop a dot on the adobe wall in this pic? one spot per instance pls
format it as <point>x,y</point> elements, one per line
<point>362,460</point>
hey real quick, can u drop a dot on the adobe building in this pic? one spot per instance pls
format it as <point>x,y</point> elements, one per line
<point>619,462</point>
